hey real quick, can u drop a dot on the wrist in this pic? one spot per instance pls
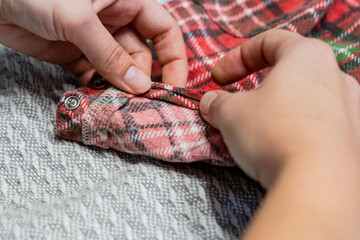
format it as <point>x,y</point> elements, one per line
<point>319,146</point>
<point>314,197</point>
<point>324,163</point>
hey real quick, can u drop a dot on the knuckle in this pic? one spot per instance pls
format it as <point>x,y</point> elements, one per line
<point>171,32</point>
<point>177,30</point>
<point>144,49</point>
<point>114,58</point>
<point>322,47</point>
<point>320,50</point>
<point>315,45</point>
<point>277,33</point>
<point>280,40</point>
<point>147,55</point>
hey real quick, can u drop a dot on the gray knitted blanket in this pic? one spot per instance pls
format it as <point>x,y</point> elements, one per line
<point>56,189</point>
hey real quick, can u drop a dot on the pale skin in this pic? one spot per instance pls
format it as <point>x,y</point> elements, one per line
<point>107,36</point>
<point>298,134</point>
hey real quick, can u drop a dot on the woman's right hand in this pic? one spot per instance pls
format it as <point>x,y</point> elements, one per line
<point>306,107</point>
<point>106,36</point>
<point>298,134</point>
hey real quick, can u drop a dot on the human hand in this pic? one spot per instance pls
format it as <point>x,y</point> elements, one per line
<point>106,36</point>
<point>307,107</point>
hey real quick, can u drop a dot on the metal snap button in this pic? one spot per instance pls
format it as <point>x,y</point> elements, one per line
<point>99,83</point>
<point>72,102</point>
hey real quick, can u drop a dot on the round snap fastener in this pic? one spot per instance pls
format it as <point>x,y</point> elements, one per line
<point>72,102</point>
<point>99,83</point>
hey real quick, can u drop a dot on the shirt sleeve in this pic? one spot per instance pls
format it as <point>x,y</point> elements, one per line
<point>164,123</point>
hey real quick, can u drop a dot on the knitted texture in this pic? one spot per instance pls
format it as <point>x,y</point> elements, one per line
<point>165,123</point>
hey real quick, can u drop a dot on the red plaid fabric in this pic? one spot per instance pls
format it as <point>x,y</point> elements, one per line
<point>150,125</point>
<point>164,123</point>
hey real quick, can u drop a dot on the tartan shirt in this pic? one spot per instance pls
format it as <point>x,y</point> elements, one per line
<point>164,123</point>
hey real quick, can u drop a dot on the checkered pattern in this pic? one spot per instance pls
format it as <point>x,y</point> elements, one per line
<point>164,123</point>
<point>111,118</point>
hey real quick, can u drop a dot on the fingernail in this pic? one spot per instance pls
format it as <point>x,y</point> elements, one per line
<point>206,101</point>
<point>137,80</point>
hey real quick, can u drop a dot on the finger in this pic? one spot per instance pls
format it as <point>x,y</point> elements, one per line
<point>136,46</point>
<point>82,69</point>
<point>167,40</point>
<point>210,104</point>
<point>107,56</point>
<point>255,54</point>
<point>132,43</point>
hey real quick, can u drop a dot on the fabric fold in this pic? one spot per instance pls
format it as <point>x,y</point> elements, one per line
<point>164,123</point>
<point>96,120</point>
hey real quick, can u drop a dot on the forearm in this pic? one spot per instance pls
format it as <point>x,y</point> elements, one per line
<point>312,199</point>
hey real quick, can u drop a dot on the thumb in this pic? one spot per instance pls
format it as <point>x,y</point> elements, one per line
<point>212,105</point>
<point>108,57</point>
